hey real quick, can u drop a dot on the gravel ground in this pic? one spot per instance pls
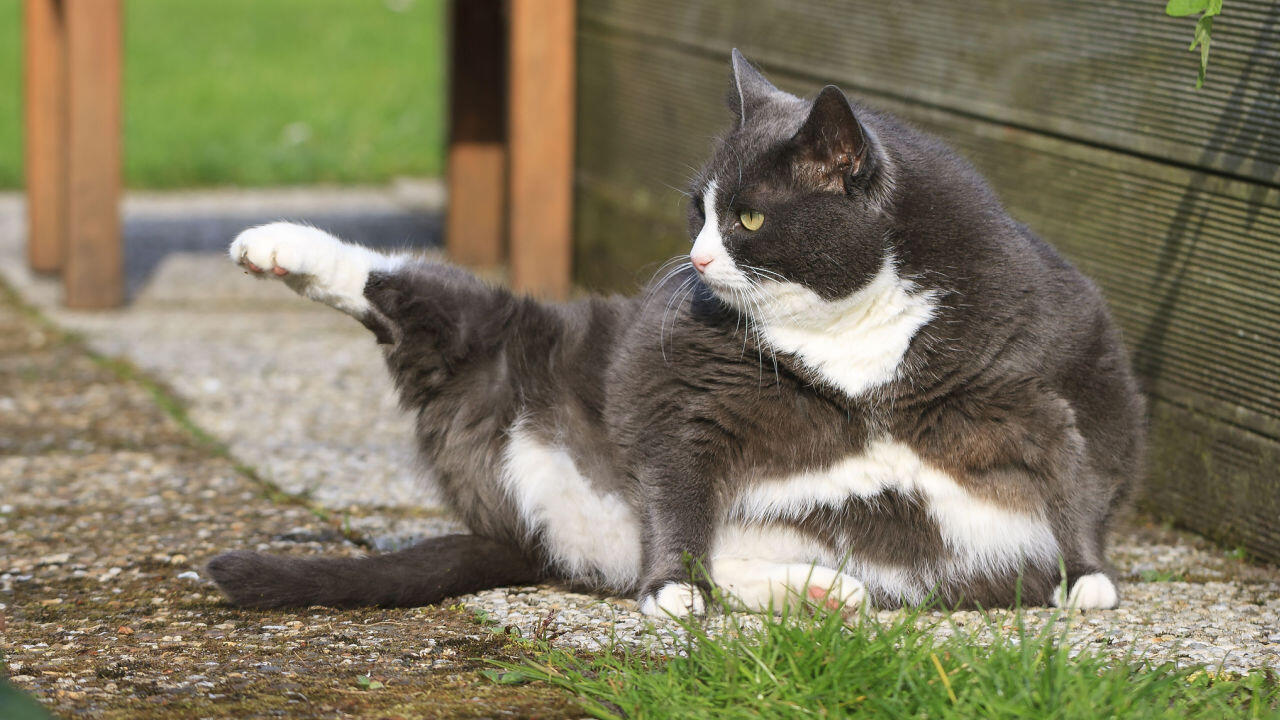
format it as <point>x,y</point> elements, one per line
<point>109,509</point>
<point>298,393</point>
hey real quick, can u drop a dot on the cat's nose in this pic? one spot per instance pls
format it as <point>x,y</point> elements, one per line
<point>701,262</point>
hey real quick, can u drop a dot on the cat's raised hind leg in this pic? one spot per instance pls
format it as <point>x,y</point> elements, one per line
<point>313,263</point>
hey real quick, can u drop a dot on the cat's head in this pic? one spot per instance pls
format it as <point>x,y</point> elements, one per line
<point>791,209</point>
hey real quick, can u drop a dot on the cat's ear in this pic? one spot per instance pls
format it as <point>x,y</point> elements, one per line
<point>832,145</point>
<point>750,90</point>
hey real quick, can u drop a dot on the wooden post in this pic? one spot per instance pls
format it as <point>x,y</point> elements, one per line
<point>540,149</point>
<point>93,272</point>
<point>45,112</point>
<point>475,218</point>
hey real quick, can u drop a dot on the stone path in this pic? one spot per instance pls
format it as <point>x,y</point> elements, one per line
<point>110,508</point>
<point>299,394</point>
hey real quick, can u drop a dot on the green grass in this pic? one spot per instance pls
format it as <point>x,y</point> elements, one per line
<point>10,94</point>
<point>1163,576</point>
<point>17,705</point>
<point>816,666</point>
<point>265,92</point>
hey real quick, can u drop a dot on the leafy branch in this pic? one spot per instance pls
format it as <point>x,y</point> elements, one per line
<point>1204,26</point>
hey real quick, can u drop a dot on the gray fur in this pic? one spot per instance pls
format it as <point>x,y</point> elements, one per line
<point>1019,386</point>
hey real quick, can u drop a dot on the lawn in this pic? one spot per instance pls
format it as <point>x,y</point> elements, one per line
<point>265,92</point>
<point>818,666</point>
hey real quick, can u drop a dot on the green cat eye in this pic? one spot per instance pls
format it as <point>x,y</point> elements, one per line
<point>751,219</point>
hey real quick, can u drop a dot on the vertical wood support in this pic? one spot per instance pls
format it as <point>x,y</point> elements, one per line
<point>45,115</point>
<point>93,271</point>
<point>540,145</point>
<point>475,219</point>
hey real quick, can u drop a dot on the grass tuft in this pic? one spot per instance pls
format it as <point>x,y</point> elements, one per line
<point>816,665</point>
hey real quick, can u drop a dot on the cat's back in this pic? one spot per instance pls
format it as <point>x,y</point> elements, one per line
<point>1010,303</point>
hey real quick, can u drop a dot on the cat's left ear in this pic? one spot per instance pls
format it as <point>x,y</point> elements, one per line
<point>832,145</point>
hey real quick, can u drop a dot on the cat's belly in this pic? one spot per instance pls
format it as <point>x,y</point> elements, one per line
<point>901,526</point>
<point>592,535</point>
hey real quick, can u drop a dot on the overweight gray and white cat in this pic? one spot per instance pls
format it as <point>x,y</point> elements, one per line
<point>867,383</point>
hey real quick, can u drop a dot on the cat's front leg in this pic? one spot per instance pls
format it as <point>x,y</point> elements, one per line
<point>680,520</point>
<point>313,263</point>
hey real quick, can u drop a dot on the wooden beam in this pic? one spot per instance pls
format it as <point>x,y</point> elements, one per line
<point>540,131</point>
<point>93,273</point>
<point>45,114</point>
<point>475,219</point>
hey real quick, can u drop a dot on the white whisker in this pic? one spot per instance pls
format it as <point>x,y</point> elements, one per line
<point>662,326</point>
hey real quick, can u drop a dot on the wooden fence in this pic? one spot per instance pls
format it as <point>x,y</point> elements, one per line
<point>1083,116</point>
<point>510,145</point>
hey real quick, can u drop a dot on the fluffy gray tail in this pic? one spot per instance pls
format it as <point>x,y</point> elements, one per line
<point>420,575</point>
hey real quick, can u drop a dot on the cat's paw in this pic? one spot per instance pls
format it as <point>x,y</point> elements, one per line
<point>758,586</point>
<point>1091,592</point>
<point>834,590</point>
<point>312,262</point>
<point>284,249</point>
<point>678,599</point>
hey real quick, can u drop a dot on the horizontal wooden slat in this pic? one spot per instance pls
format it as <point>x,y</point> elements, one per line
<point>1195,304</point>
<point>1103,71</point>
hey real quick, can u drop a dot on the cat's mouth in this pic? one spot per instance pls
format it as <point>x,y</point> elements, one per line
<point>720,277</point>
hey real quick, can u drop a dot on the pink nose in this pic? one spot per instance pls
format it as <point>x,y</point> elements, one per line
<point>701,262</point>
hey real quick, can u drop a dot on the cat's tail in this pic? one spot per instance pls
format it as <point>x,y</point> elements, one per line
<point>420,575</point>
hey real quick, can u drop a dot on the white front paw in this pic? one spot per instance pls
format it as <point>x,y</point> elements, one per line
<point>1091,592</point>
<point>284,249</point>
<point>678,599</point>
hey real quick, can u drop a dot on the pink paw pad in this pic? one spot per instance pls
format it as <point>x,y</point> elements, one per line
<point>819,594</point>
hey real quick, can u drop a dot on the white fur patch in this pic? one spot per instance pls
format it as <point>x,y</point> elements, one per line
<point>772,543</point>
<point>982,535</point>
<point>317,264</point>
<point>907,587</point>
<point>766,568</point>
<point>585,532</point>
<point>856,343</point>
<point>710,244</point>
<point>1091,592</point>
<point>761,586</point>
<point>677,599</point>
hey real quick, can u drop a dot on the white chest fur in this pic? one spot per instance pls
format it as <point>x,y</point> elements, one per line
<point>982,536</point>
<point>856,343</point>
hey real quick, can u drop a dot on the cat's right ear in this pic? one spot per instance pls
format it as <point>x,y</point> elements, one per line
<point>750,89</point>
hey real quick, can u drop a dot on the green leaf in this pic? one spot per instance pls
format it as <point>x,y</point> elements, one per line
<point>1182,8</point>
<point>1204,27</point>
<point>1214,8</point>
